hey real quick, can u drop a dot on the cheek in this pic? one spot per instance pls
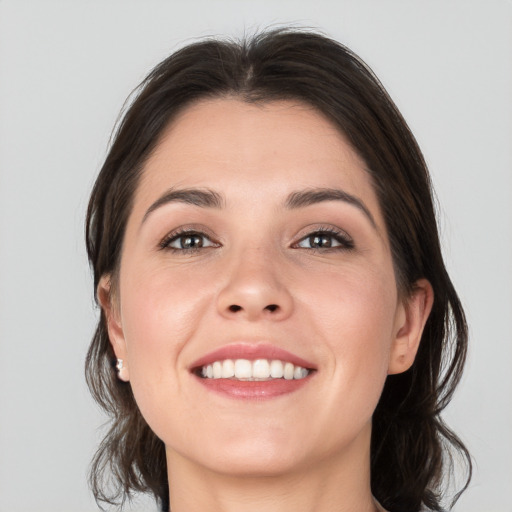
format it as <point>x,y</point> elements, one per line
<point>355,314</point>
<point>358,304</point>
<point>160,312</point>
<point>371,318</point>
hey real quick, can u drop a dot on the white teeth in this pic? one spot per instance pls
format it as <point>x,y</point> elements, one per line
<point>288,371</point>
<point>217,370</point>
<point>298,372</point>
<point>243,369</point>
<point>228,369</point>
<point>276,369</point>
<point>260,369</point>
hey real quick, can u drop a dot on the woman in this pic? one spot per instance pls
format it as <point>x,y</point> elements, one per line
<point>278,329</point>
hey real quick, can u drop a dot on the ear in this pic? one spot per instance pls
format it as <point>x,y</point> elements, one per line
<point>110,306</point>
<point>410,320</point>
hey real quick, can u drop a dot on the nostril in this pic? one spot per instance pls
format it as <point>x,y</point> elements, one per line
<point>234,308</point>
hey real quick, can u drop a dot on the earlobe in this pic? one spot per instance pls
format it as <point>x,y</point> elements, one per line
<point>110,310</point>
<point>122,371</point>
<point>411,320</point>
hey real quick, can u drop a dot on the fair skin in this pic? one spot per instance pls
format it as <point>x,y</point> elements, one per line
<point>313,277</point>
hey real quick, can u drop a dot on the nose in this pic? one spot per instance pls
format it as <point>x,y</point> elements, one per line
<point>254,290</point>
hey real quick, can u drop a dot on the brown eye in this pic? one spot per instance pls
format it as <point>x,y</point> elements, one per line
<point>326,240</point>
<point>187,241</point>
<point>320,241</point>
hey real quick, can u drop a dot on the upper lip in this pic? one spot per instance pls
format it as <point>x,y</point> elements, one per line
<point>251,351</point>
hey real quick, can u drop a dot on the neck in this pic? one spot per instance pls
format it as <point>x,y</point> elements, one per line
<point>330,485</point>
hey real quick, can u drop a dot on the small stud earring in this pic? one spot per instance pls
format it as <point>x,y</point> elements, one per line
<point>122,372</point>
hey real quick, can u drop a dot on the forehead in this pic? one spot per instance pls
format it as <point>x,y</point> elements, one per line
<point>254,152</point>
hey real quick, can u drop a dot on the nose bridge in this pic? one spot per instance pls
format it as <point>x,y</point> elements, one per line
<point>254,288</point>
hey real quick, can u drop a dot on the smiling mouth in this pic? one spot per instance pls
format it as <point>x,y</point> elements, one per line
<point>258,370</point>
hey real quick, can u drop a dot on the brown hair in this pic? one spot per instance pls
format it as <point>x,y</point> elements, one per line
<point>411,445</point>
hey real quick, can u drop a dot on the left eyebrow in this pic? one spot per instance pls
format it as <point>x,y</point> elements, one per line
<point>312,196</point>
<point>204,198</point>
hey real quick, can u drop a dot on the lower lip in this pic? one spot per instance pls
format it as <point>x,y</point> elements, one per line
<point>246,390</point>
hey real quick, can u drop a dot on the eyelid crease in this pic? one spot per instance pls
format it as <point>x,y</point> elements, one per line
<point>323,228</point>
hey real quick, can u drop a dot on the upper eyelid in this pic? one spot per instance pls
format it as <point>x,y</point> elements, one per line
<point>330,230</point>
<point>183,231</point>
<point>346,241</point>
<point>188,229</point>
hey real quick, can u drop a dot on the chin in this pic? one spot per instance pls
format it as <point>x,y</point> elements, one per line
<point>255,462</point>
<point>244,455</point>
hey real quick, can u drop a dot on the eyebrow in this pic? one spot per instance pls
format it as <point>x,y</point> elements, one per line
<point>204,198</point>
<point>319,195</point>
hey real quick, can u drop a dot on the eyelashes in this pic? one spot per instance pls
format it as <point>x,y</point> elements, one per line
<point>187,240</point>
<point>321,239</point>
<point>324,239</point>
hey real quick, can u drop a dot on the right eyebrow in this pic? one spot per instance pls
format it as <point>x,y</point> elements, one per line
<point>204,198</point>
<point>312,196</point>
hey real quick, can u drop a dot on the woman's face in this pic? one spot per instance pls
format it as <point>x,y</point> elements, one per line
<point>256,235</point>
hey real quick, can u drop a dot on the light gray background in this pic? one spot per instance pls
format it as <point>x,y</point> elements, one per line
<point>65,70</point>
